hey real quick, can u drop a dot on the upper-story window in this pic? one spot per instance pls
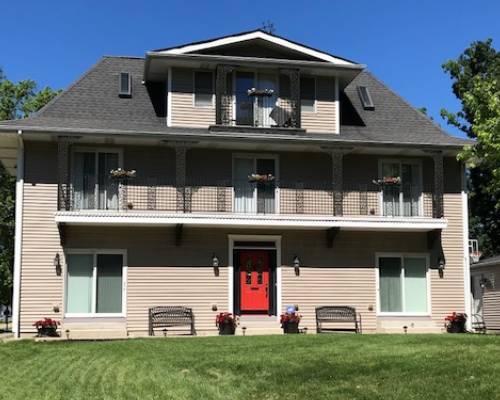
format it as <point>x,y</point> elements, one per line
<point>307,94</point>
<point>203,89</point>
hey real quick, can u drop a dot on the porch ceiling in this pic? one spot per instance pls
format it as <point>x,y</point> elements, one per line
<point>276,221</point>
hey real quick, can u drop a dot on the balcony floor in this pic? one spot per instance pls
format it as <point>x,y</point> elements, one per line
<point>281,221</point>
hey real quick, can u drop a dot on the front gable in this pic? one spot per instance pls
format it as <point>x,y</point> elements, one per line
<point>256,44</point>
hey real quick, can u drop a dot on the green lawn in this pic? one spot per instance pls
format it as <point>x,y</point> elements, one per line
<point>339,366</point>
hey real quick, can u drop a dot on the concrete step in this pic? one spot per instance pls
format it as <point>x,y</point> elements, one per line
<point>258,325</point>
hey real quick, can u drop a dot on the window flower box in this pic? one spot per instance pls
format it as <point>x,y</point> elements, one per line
<point>257,178</point>
<point>226,323</point>
<point>47,327</point>
<point>253,92</point>
<point>388,181</point>
<point>290,322</point>
<point>455,323</point>
<point>122,173</point>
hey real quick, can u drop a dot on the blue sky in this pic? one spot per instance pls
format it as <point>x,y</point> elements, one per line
<point>403,42</point>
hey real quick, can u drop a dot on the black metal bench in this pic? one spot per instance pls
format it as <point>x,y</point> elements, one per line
<point>170,316</point>
<point>337,314</point>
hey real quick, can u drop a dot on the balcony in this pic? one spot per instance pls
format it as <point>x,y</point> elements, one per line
<point>275,203</point>
<point>256,99</point>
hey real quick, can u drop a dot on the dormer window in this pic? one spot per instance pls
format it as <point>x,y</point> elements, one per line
<point>366,98</point>
<point>203,89</point>
<point>125,85</point>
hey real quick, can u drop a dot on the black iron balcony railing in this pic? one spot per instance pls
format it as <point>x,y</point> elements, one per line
<point>243,197</point>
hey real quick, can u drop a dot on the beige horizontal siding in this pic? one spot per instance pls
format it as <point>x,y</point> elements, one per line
<point>194,287</point>
<point>448,292</point>
<point>184,113</point>
<point>324,118</point>
<point>491,307</point>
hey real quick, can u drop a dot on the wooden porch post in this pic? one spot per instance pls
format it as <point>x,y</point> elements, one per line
<point>63,174</point>
<point>183,201</point>
<point>437,197</point>
<point>337,181</point>
<point>223,99</point>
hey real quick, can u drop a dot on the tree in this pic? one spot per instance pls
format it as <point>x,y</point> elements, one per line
<point>17,100</point>
<point>476,83</point>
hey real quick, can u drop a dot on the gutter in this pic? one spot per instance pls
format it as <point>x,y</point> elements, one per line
<point>18,233</point>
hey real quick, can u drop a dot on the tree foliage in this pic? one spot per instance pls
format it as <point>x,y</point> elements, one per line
<point>17,100</point>
<point>476,83</point>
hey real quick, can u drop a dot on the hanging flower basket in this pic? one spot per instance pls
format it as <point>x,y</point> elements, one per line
<point>388,181</point>
<point>253,92</point>
<point>257,178</point>
<point>122,173</point>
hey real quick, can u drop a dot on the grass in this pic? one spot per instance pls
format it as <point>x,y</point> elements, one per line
<point>339,366</point>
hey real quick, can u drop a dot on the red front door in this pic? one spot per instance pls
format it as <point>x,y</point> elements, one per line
<point>254,281</point>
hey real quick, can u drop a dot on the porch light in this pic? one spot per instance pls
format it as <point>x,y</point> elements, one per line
<point>215,264</point>
<point>57,264</point>
<point>296,265</point>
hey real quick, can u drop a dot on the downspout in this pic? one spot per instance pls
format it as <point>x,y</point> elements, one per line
<point>16,296</point>
<point>466,255</point>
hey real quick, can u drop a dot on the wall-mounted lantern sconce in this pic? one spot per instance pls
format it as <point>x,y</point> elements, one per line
<point>57,264</point>
<point>441,266</point>
<point>215,264</point>
<point>296,265</point>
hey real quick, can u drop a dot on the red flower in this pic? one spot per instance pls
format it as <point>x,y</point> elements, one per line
<point>290,317</point>
<point>46,323</point>
<point>225,318</point>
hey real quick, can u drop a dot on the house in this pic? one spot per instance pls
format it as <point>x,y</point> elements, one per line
<point>485,278</point>
<point>246,173</point>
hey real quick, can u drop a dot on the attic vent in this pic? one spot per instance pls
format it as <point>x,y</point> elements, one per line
<point>366,98</point>
<point>125,85</point>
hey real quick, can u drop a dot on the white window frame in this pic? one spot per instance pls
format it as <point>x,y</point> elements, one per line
<point>256,156</point>
<point>96,151</point>
<point>315,103</point>
<point>121,92</point>
<point>212,103</point>
<point>95,253</point>
<point>402,256</point>
<point>401,161</point>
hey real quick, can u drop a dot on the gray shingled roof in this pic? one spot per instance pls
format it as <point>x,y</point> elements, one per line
<point>487,262</point>
<point>92,105</point>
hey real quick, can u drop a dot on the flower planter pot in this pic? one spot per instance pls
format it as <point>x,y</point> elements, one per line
<point>47,332</point>
<point>456,327</point>
<point>227,329</point>
<point>290,327</point>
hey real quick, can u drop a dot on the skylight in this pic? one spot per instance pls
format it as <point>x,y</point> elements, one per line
<point>366,98</point>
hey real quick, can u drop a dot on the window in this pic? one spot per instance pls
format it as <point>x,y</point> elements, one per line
<point>94,284</point>
<point>203,89</point>
<point>366,98</point>
<point>125,85</point>
<point>92,186</point>
<point>403,199</point>
<point>307,94</point>
<point>403,284</point>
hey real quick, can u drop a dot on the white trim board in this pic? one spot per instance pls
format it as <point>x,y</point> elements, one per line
<point>256,35</point>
